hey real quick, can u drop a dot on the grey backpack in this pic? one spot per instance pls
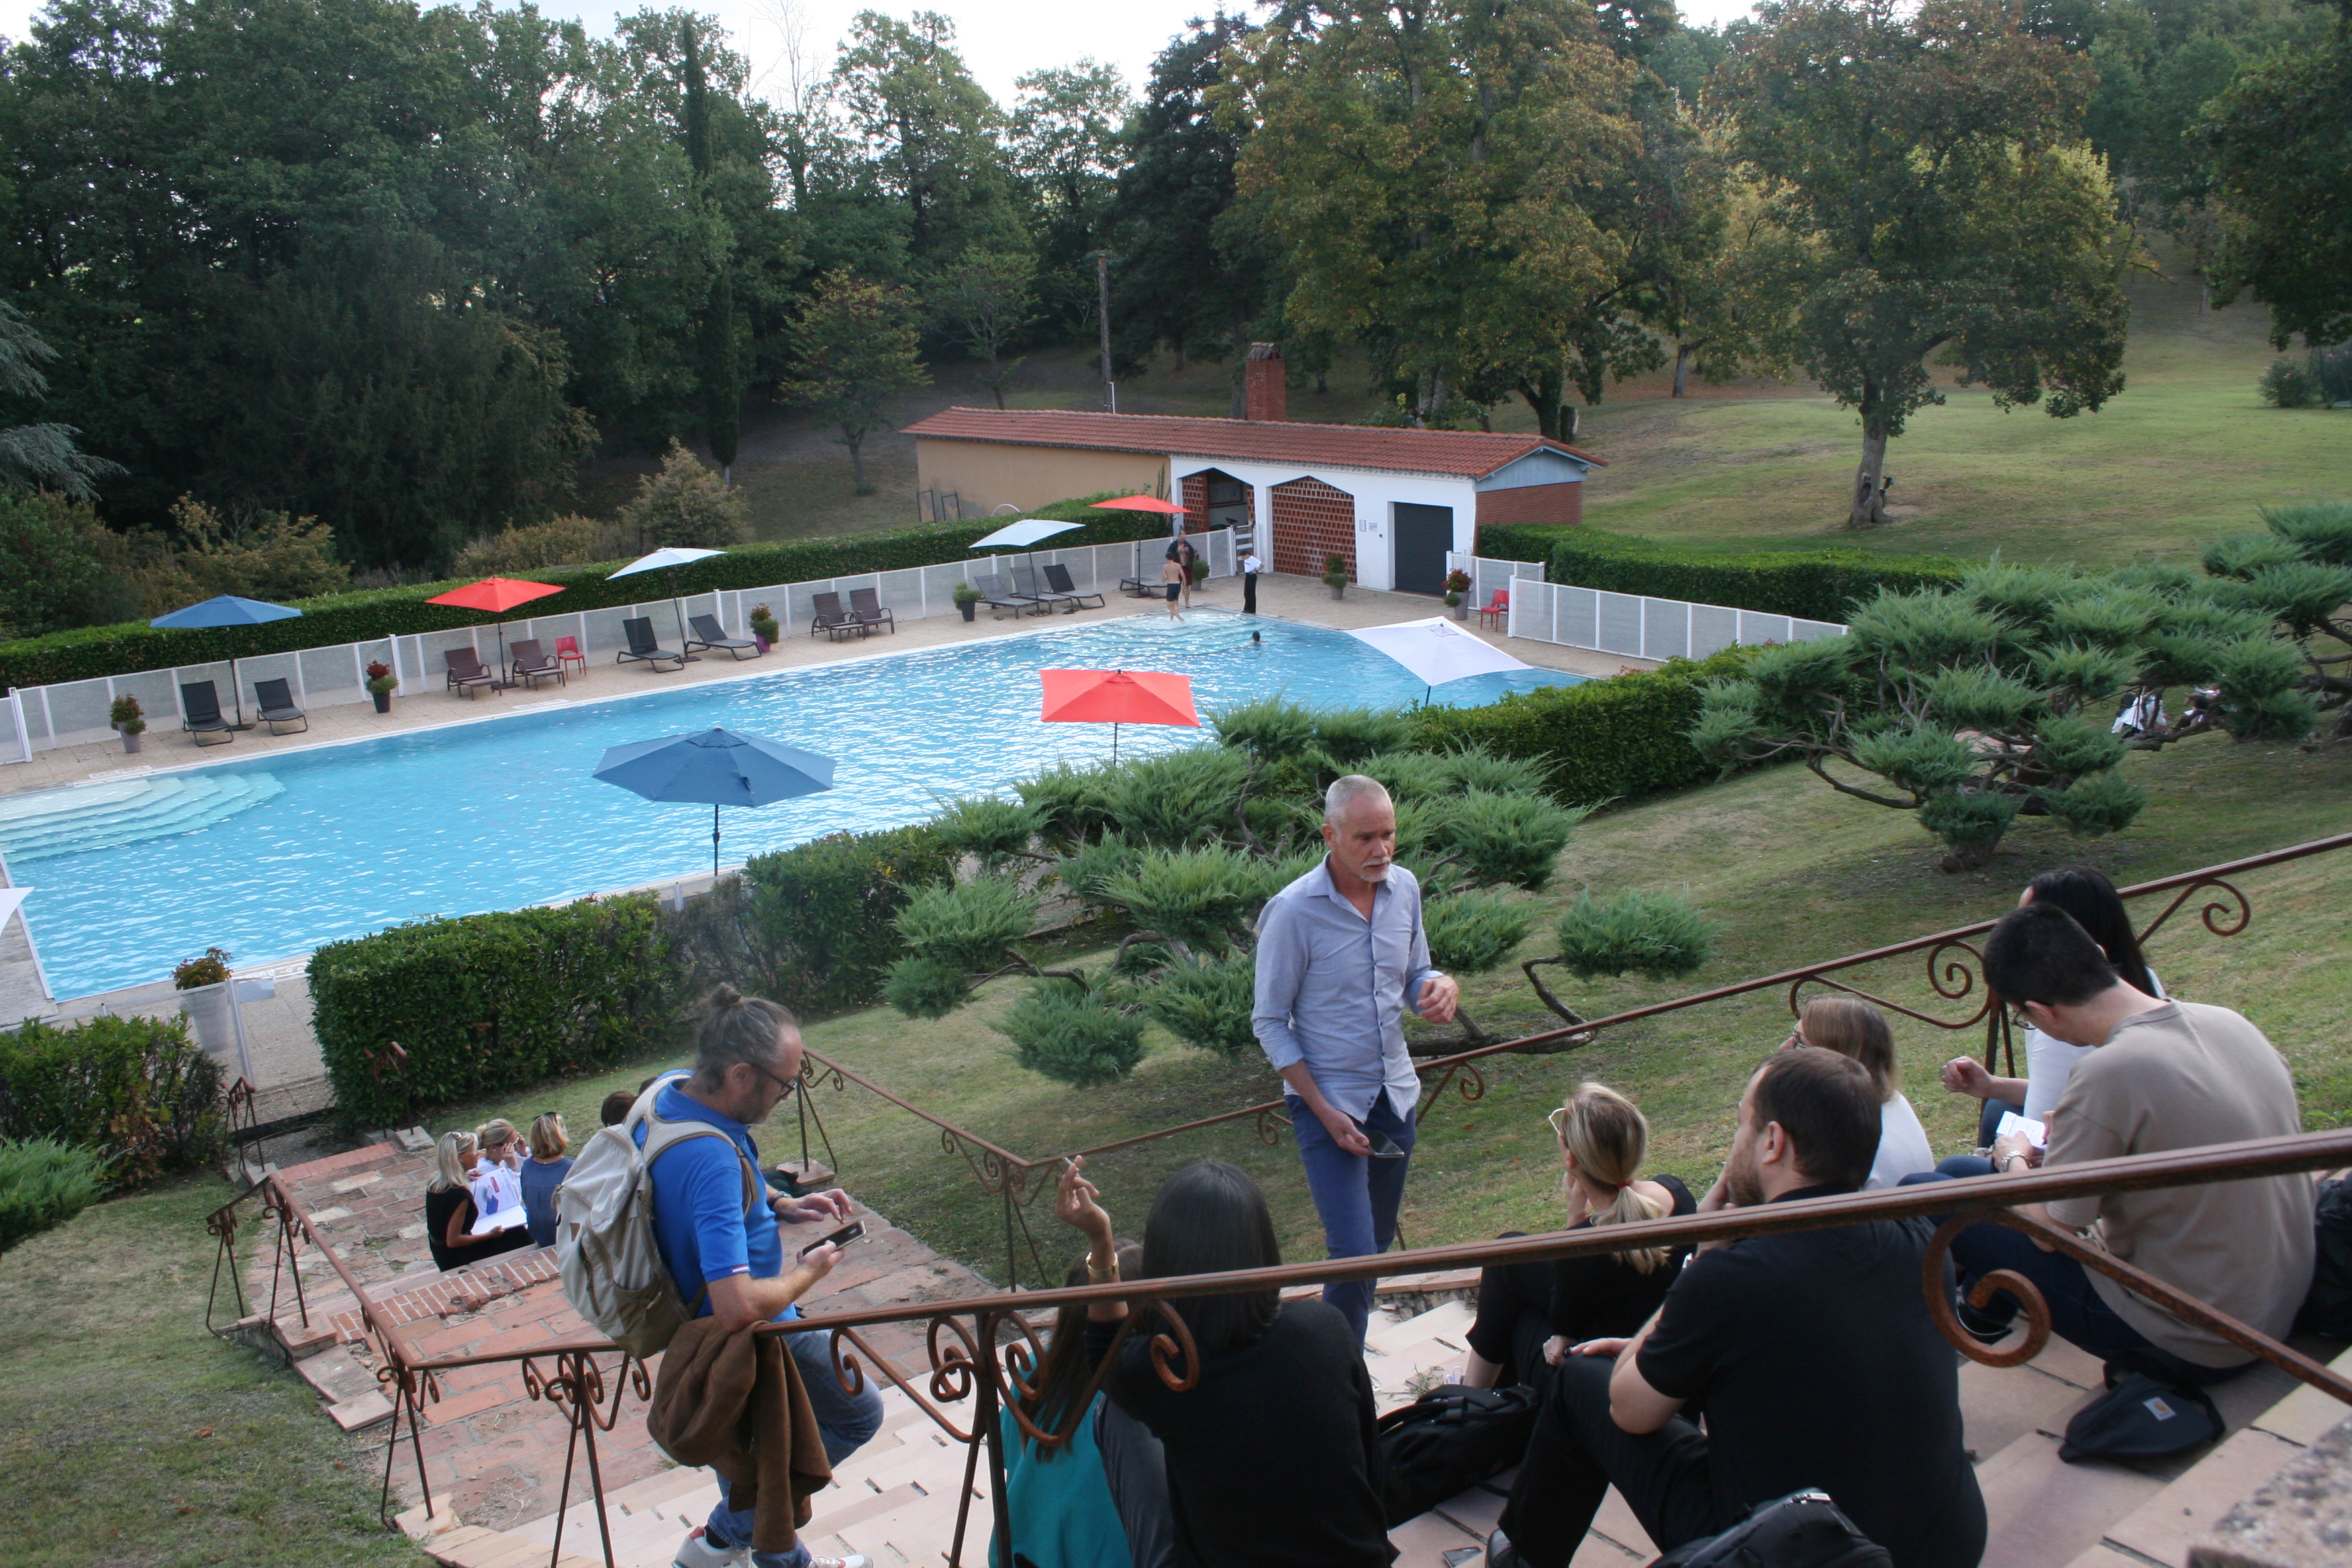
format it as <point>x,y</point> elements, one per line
<point>613,1270</point>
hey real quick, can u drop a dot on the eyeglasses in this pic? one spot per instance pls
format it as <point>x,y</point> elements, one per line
<point>787,1084</point>
<point>1558,1131</point>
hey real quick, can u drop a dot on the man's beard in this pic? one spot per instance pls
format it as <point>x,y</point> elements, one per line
<point>1741,1181</point>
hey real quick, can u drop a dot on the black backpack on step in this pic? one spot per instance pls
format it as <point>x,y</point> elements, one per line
<point>2327,1310</point>
<point>1803,1530</point>
<point>1447,1442</point>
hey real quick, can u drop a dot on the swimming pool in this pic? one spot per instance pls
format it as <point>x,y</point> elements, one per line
<point>275,856</point>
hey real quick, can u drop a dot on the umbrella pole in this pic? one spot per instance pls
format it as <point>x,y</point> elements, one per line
<point>714,841</point>
<point>677,608</point>
<point>1114,740</point>
<point>236,696</point>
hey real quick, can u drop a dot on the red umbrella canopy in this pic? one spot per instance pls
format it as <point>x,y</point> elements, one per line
<point>1140,503</point>
<point>1117,697</point>
<point>494,593</point>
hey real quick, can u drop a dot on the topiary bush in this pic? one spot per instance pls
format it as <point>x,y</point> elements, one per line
<point>136,1092</point>
<point>489,1001</point>
<point>827,912</point>
<point>44,1184</point>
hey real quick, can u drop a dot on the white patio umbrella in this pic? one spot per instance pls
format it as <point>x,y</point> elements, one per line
<point>1024,534</point>
<point>669,556</point>
<point>1439,650</point>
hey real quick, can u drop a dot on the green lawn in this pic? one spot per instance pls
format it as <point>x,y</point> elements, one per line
<point>130,1437</point>
<point>1794,873</point>
<point>2185,453</point>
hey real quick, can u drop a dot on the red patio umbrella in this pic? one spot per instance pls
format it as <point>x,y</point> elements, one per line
<point>1140,503</point>
<point>498,596</point>
<point>1116,697</point>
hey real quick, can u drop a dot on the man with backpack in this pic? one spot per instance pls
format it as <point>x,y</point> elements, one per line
<point>719,1231</point>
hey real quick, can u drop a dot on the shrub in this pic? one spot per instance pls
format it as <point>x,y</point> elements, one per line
<point>136,1092</point>
<point>127,716</point>
<point>489,1001</point>
<point>559,542</point>
<point>43,1184</point>
<point>190,973</point>
<point>684,504</point>
<point>1814,584</point>
<point>2288,384</point>
<point>827,912</point>
<point>1063,1030</point>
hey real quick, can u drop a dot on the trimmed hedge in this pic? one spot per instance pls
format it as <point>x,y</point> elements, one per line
<point>489,1001</point>
<point>44,1184</point>
<point>91,652</point>
<point>1605,740</point>
<point>137,1093</point>
<point>1816,584</point>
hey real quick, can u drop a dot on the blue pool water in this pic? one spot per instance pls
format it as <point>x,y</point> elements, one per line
<point>273,856</point>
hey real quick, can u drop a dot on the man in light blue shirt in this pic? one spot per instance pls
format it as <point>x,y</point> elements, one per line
<point>1340,953</point>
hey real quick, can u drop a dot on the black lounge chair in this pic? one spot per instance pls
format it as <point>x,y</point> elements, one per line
<point>709,634</point>
<point>528,662</point>
<point>644,648</point>
<point>275,701</point>
<point>866,609</point>
<point>825,615</point>
<point>1026,581</point>
<point>202,701</point>
<point>468,673</point>
<point>998,598</point>
<point>1058,577</point>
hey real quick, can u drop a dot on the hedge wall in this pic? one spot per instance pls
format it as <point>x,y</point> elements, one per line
<point>1816,584</point>
<point>93,651</point>
<point>1606,739</point>
<point>489,1001</point>
<point>136,1091</point>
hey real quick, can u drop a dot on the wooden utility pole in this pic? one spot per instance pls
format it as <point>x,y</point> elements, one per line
<point>1102,260</point>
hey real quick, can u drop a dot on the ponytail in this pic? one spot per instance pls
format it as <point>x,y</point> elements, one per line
<point>1608,1136</point>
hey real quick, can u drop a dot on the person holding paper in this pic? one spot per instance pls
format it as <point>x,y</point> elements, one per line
<point>450,1213</point>
<point>497,1174</point>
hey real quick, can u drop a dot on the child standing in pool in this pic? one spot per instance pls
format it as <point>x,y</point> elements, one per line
<point>1173,573</point>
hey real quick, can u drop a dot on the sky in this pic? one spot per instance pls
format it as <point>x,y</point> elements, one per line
<point>1001,39</point>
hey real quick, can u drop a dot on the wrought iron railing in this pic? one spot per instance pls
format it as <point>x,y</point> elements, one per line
<point>983,1349</point>
<point>1954,974</point>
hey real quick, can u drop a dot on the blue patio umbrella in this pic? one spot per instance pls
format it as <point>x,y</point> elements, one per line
<point>716,767</point>
<point>227,610</point>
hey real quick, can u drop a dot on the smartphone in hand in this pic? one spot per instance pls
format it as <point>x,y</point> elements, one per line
<point>1383,1146</point>
<point>853,1231</point>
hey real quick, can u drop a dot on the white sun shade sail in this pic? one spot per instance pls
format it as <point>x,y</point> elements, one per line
<point>1023,532</point>
<point>1438,650</point>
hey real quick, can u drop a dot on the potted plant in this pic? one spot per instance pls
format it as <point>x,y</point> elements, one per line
<point>1457,594</point>
<point>764,630</point>
<point>967,599</point>
<point>208,1012</point>
<point>381,684</point>
<point>127,718</point>
<point>1335,575</point>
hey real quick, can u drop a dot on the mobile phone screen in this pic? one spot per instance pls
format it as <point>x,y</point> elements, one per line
<point>1383,1146</point>
<point>853,1231</point>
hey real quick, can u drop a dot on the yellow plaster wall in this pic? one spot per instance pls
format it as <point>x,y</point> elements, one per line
<point>988,474</point>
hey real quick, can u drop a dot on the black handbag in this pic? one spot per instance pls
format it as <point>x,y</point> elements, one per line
<point>1444,1443</point>
<point>1803,1530</point>
<point>2139,1418</point>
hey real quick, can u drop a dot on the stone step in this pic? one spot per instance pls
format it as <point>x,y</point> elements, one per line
<point>470,1546</point>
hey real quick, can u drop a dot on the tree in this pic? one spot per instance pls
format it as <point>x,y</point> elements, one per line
<point>854,348</point>
<point>47,567</point>
<point>982,303</point>
<point>39,456</point>
<point>722,384</point>
<point>1933,164</point>
<point>1185,849</point>
<point>2280,141</point>
<point>1976,705</point>
<point>1066,144</point>
<point>684,504</point>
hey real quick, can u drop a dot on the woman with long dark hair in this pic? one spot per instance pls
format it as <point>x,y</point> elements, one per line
<point>2099,908</point>
<point>1282,1393</point>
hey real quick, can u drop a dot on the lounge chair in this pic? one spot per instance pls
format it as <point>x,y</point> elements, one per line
<point>468,673</point>
<point>866,609</point>
<point>998,598</point>
<point>1026,582</point>
<point>276,702</point>
<point>567,653</point>
<point>709,634</point>
<point>644,648</point>
<point>202,701</point>
<point>1058,577</point>
<point>1497,611</point>
<point>825,615</point>
<point>527,661</point>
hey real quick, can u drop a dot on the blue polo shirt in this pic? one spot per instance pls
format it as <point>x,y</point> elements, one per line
<point>698,1222</point>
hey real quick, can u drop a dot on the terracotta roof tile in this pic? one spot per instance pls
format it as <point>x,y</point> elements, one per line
<point>1462,454</point>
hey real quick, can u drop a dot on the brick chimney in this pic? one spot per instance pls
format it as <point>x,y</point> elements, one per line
<point>1264,395</point>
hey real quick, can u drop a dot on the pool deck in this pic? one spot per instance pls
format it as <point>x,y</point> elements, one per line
<point>1302,600</point>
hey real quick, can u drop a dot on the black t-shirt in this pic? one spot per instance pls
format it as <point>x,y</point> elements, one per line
<point>1601,1297</point>
<point>1817,1364</point>
<point>438,1206</point>
<point>1273,1456</point>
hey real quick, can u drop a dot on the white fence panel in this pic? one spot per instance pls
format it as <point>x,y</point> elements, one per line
<point>1631,625</point>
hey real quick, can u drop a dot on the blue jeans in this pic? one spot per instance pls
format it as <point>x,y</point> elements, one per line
<point>1357,1195</point>
<point>847,1422</point>
<point>2078,1313</point>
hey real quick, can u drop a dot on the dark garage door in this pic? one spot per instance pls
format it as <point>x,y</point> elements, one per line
<point>1423,535</point>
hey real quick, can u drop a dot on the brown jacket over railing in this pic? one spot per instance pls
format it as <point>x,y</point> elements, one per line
<point>735,1402</point>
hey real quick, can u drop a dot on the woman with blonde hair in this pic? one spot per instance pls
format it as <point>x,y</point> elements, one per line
<point>550,1163</point>
<point>449,1208</point>
<point>1853,1027</point>
<point>1532,1314</point>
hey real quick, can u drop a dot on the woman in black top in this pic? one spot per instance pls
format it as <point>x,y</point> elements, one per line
<point>1273,1455</point>
<point>449,1209</point>
<point>1530,1313</point>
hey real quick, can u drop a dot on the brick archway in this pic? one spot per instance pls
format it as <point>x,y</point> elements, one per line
<point>1311,520</point>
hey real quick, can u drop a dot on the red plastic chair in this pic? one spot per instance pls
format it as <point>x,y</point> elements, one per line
<point>1499,610</point>
<point>567,651</point>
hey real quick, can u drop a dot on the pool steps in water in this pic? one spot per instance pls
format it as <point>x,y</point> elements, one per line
<point>107,816</point>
